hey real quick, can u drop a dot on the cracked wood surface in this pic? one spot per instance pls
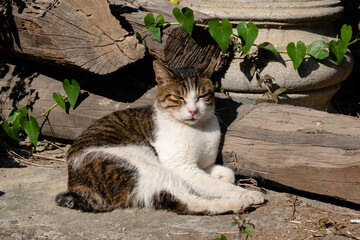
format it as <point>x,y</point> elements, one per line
<point>300,148</point>
<point>90,35</point>
<point>81,34</point>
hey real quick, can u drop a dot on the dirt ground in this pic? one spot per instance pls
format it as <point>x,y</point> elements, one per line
<point>28,186</point>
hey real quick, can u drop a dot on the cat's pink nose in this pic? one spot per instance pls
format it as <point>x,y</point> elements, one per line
<point>193,111</point>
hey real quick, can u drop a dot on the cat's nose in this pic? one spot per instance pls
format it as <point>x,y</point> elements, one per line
<point>193,111</point>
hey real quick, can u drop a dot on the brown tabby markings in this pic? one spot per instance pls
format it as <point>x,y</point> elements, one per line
<point>103,182</point>
<point>183,80</point>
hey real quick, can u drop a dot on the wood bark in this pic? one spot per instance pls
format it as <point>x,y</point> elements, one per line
<point>81,34</point>
<point>86,35</point>
<point>299,148</point>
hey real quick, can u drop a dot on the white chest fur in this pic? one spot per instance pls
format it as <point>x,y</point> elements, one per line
<point>179,144</point>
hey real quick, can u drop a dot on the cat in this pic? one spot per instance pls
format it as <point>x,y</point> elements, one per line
<point>160,156</point>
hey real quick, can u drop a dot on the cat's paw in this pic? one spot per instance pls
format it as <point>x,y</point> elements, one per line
<point>222,173</point>
<point>254,197</point>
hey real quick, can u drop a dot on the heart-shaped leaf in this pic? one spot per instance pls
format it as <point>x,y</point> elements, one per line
<point>11,131</point>
<point>72,90</point>
<point>185,18</point>
<point>221,32</point>
<point>152,25</point>
<point>317,49</point>
<point>346,33</point>
<point>269,47</point>
<point>18,115</point>
<point>248,34</point>
<point>297,53</point>
<point>32,129</point>
<point>59,100</point>
<point>338,48</point>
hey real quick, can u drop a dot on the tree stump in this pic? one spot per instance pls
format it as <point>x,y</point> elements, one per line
<point>80,34</point>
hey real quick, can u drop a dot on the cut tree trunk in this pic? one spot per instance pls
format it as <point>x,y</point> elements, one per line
<point>81,34</point>
<point>86,35</point>
<point>299,148</point>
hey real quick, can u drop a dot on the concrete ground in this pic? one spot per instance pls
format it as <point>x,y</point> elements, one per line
<point>28,211</point>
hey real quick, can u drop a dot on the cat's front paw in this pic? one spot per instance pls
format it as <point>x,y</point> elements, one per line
<point>254,197</point>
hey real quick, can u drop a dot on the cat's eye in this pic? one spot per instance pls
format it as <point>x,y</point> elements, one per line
<point>177,97</point>
<point>203,96</point>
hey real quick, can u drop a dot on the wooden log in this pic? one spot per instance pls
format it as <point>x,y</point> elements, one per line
<point>84,34</point>
<point>178,49</point>
<point>81,34</point>
<point>299,148</point>
<point>303,149</point>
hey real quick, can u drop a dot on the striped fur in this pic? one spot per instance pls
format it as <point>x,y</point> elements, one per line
<point>160,156</point>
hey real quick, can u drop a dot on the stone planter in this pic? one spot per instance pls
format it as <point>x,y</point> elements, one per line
<point>281,22</point>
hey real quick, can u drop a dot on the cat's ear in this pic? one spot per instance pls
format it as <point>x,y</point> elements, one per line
<point>162,74</point>
<point>206,69</point>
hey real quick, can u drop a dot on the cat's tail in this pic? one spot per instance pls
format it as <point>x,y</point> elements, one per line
<point>66,199</point>
<point>86,201</point>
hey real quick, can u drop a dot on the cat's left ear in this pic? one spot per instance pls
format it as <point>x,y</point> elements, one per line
<point>162,74</point>
<point>206,69</point>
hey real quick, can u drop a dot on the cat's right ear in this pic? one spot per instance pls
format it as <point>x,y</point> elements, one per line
<point>162,74</point>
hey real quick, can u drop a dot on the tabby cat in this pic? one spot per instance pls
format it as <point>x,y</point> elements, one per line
<point>160,156</point>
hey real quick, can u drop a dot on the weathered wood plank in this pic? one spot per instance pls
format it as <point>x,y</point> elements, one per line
<point>300,148</point>
<point>80,34</point>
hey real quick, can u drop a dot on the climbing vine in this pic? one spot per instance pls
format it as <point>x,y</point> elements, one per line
<point>222,32</point>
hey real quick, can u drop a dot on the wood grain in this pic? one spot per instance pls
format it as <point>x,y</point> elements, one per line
<point>80,34</point>
<point>296,147</point>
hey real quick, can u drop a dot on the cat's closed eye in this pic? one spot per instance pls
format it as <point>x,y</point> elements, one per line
<point>177,97</point>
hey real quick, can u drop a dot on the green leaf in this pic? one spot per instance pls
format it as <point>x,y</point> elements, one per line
<point>252,70</point>
<point>259,82</point>
<point>18,115</point>
<point>151,25</point>
<point>72,90</point>
<point>339,49</point>
<point>12,131</point>
<point>268,77</point>
<point>59,100</point>
<point>221,33</point>
<point>159,20</point>
<point>269,47</point>
<point>248,34</point>
<point>280,91</point>
<point>32,129</point>
<point>346,33</point>
<point>185,17</point>
<point>297,53</point>
<point>138,37</point>
<point>317,49</point>
<point>223,237</point>
<point>274,97</point>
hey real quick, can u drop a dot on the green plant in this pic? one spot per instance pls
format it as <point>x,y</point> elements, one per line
<point>244,225</point>
<point>222,33</point>
<point>20,118</point>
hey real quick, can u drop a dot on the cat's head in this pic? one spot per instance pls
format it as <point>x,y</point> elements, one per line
<point>184,94</point>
